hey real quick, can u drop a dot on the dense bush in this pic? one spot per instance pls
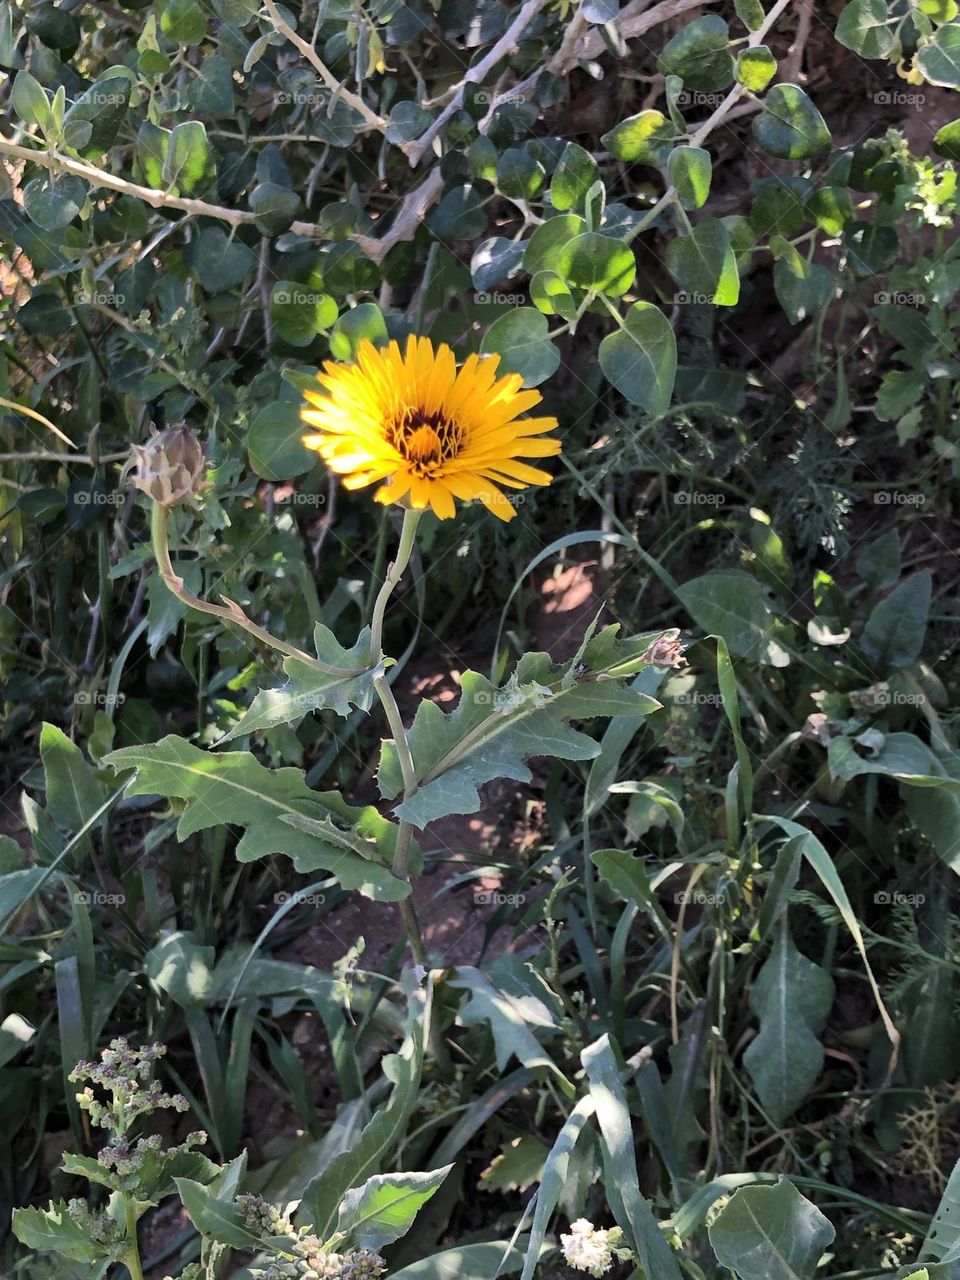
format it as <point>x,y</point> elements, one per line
<point>477,639</point>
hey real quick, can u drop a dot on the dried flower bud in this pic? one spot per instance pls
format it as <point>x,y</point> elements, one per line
<point>666,651</point>
<point>169,467</point>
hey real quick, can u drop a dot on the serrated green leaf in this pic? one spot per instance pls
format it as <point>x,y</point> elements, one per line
<point>308,689</point>
<point>493,731</point>
<point>53,1228</point>
<point>511,1017</point>
<point>232,787</point>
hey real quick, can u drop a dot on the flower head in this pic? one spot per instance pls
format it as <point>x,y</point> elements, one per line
<point>430,432</point>
<point>169,467</point>
<point>587,1248</point>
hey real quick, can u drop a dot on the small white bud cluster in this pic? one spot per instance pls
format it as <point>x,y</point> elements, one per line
<point>587,1248</point>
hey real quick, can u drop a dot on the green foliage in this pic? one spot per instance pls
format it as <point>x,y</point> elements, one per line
<point>724,847</point>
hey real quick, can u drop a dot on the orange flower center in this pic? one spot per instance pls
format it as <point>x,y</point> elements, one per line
<point>425,440</point>
<point>423,445</point>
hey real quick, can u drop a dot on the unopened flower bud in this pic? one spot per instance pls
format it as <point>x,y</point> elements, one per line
<point>666,651</point>
<point>169,467</point>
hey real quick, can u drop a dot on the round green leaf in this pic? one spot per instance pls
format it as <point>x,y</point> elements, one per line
<point>704,265</point>
<point>53,203</point>
<point>641,358</point>
<point>548,241</point>
<point>645,138</point>
<point>274,444</point>
<point>299,313</point>
<point>756,68</point>
<point>364,322</point>
<point>184,22</point>
<point>790,126</point>
<point>700,55</point>
<point>598,262</point>
<point>551,294</point>
<point>865,27</point>
<point>803,295</point>
<point>832,208</point>
<point>523,342</point>
<point>519,175</point>
<point>690,170</point>
<point>460,215</point>
<point>939,58</point>
<point>573,177</point>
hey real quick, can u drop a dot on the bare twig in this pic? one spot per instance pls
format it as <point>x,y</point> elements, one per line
<point>474,75</point>
<point>370,118</point>
<point>791,68</point>
<point>411,214</point>
<point>631,24</point>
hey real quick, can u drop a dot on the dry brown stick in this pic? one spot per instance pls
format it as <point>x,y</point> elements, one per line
<point>792,66</point>
<point>631,25</point>
<point>370,118</point>
<point>474,75</point>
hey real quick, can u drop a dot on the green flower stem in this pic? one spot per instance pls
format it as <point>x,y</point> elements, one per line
<point>231,612</point>
<point>411,924</point>
<point>408,534</point>
<point>401,851</point>
<point>132,1256</point>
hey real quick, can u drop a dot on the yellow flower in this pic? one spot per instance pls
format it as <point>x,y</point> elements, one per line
<point>430,432</point>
